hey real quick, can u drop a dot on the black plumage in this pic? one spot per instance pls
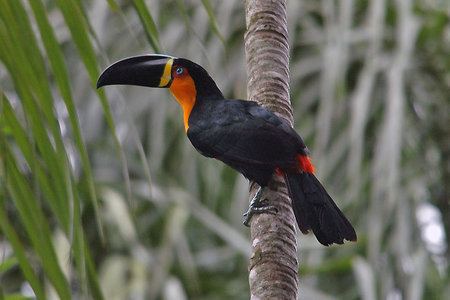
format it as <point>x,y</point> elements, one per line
<point>255,142</point>
<point>242,134</point>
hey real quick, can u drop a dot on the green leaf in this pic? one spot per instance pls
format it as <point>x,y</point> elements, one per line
<point>113,5</point>
<point>58,65</point>
<point>7,264</point>
<point>35,224</point>
<point>6,227</point>
<point>36,99</point>
<point>16,297</point>
<point>79,30</point>
<point>212,20</point>
<point>19,253</point>
<point>148,23</point>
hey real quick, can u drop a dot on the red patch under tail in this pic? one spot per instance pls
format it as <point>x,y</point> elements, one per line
<point>305,163</point>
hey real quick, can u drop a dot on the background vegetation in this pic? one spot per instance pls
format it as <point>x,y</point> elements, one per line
<point>101,194</point>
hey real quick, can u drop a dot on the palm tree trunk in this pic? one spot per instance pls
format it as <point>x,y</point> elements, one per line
<point>273,264</point>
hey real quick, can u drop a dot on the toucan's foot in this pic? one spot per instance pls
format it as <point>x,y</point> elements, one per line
<point>253,210</point>
<point>257,206</point>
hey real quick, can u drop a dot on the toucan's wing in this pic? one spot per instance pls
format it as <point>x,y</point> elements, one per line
<point>243,132</point>
<point>260,112</point>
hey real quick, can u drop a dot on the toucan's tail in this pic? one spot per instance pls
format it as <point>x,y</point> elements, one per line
<point>314,209</point>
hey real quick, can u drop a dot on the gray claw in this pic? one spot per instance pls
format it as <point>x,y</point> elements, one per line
<point>259,208</point>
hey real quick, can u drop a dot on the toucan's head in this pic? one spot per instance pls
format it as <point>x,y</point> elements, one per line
<point>188,82</point>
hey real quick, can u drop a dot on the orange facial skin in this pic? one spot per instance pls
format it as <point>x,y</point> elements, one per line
<point>183,90</point>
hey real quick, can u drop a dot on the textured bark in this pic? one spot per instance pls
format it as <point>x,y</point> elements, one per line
<point>273,264</point>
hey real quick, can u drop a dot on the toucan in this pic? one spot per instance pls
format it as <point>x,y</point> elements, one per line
<point>244,135</point>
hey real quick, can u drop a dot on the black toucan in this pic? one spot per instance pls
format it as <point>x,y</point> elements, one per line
<point>242,134</point>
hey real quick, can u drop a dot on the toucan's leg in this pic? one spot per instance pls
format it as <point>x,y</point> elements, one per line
<point>257,206</point>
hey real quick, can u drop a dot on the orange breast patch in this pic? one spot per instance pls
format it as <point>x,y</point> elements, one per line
<point>183,89</point>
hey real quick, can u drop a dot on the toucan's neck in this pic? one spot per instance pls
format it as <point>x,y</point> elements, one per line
<point>207,89</point>
<point>190,92</point>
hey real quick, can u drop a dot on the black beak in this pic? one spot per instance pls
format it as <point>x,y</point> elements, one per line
<point>147,70</point>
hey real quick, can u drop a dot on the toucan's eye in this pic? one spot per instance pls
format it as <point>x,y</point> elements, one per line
<point>179,71</point>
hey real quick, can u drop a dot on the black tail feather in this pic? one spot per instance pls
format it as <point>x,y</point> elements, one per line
<point>314,209</point>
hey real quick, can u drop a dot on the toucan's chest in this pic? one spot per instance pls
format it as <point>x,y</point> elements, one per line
<point>208,113</point>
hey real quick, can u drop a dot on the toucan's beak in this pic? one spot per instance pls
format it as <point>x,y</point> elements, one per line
<point>147,70</point>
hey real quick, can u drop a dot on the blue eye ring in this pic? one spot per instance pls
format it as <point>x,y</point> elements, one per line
<point>179,70</point>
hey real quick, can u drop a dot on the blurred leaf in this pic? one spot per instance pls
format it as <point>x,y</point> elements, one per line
<point>149,24</point>
<point>19,251</point>
<point>79,29</point>
<point>342,57</point>
<point>16,297</point>
<point>364,278</point>
<point>7,264</point>
<point>212,19</point>
<point>62,79</point>
<point>113,5</point>
<point>42,140</point>
<point>37,229</point>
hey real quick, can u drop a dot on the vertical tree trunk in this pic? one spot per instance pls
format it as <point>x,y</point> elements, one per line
<point>273,264</point>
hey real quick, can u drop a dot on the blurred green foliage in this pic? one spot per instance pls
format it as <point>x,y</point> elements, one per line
<point>102,196</point>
